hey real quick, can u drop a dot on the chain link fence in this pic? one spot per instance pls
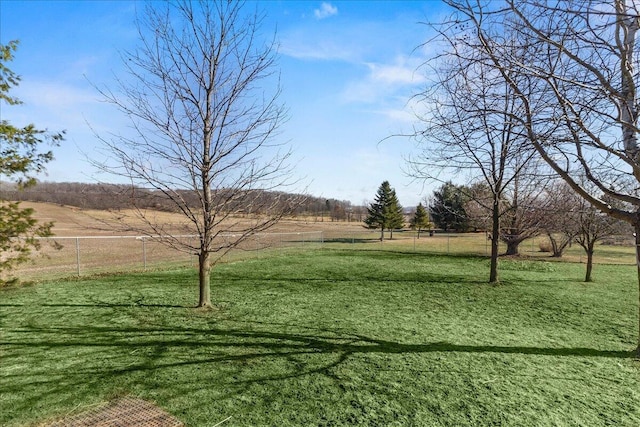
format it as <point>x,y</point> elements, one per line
<point>89,255</point>
<point>611,250</point>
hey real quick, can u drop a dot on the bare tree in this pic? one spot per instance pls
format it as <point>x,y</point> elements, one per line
<point>478,207</point>
<point>524,207</point>
<point>468,131</point>
<point>580,58</point>
<point>201,91</point>
<point>560,222</point>
<point>570,218</point>
<point>593,227</point>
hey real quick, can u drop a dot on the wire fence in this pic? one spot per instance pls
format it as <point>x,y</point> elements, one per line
<point>89,255</point>
<point>618,249</point>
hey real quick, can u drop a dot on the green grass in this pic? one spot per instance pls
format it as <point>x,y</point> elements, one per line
<point>332,337</point>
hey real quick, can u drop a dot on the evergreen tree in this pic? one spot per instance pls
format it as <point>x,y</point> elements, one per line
<point>20,158</point>
<point>396,217</point>
<point>385,212</point>
<point>420,220</point>
<point>447,208</point>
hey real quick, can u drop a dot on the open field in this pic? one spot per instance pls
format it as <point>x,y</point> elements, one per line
<point>331,337</point>
<point>104,253</point>
<point>72,221</point>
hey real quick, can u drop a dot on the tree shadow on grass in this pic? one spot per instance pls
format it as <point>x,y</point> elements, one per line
<point>102,305</point>
<point>234,358</point>
<point>352,240</point>
<point>323,341</point>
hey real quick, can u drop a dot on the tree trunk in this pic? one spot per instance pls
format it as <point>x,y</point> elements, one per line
<point>391,234</point>
<point>204,275</point>
<point>512,248</point>
<point>556,247</point>
<point>495,231</point>
<point>381,234</point>
<point>636,226</point>
<point>587,277</point>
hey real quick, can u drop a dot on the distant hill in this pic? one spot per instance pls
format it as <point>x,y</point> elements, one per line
<point>113,196</point>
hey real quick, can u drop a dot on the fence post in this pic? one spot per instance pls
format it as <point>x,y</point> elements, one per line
<point>78,254</point>
<point>257,245</point>
<point>533,239</point>
<point>144,253</point>
<point>486,243</point>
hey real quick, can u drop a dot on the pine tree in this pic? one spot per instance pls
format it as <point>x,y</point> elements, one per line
<point>20,158</point>
<point>420,220</point>
<point>447,208</point>
<point>385,212</point>
<point>396,220</point>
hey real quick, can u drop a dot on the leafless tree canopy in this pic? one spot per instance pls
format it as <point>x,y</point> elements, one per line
<point>574,78</point>
<point>201,91</point>
<point>561,222</point>
<point>467,130</point>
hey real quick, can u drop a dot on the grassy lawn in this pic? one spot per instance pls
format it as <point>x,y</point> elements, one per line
<point>332,337</point>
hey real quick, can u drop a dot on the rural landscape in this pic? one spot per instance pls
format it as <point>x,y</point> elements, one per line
<point>203,286</point>
<point>348,332</point>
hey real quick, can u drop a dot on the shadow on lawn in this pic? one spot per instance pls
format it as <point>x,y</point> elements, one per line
<point>352,240</point>
<point>259,344</point>
<point>227,360</point>
<point>103,305</point>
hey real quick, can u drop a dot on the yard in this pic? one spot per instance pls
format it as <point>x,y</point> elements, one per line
<point>331,337</point>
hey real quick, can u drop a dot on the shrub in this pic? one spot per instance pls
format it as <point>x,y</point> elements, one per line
<point>545,246</point>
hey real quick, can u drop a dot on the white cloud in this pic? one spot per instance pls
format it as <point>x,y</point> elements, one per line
<point>400,73</point>
<point>52,105</point>
<point>407,112</point>
<point>398,115</point>
<point>401,117</point>
<point>325,49</point>
<point>326,10</point>
<point>369,160</point>
<point>78,109</point>
<point>85,65</point>
<point>354,42</point>
<point>55,96</point>
<point>385,80</point>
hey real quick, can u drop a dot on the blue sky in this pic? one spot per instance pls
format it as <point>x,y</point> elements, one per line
<point>348,71</point>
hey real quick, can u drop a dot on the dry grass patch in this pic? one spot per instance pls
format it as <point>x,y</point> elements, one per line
<point>73,221</point>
